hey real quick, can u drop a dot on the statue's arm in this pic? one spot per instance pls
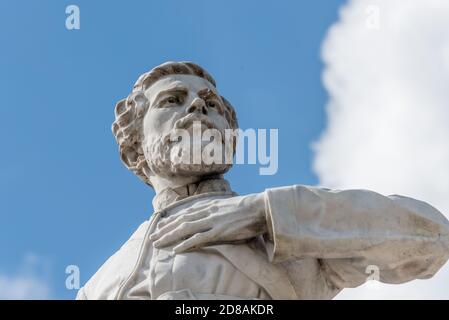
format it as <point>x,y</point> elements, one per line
<point>349,231</point>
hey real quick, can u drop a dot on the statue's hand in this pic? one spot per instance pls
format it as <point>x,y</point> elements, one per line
<point>218,221</point>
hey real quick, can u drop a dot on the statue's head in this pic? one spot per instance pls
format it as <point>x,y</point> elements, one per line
<point>170,97</point>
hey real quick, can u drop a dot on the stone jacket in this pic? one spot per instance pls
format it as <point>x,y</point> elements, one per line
<point>319,241</point>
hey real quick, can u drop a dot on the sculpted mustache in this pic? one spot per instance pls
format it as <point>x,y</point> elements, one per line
<point>189,120</point>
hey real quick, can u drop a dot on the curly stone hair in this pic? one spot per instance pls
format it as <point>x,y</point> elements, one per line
<point>129,113</point>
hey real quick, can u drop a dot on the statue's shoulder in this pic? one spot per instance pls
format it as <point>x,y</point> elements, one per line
<point>106,282</point>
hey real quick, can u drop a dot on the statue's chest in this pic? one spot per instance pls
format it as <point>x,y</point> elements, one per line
<point>199,271</point>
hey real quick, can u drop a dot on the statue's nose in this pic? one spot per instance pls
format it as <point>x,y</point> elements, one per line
<point>197,105</point>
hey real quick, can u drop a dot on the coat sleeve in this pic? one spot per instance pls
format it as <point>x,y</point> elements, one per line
<point>353,232</point>
<point>81,295</point>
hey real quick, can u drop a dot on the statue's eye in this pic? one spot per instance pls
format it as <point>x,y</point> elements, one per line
<point>172,99</point>
<point>211,104</point>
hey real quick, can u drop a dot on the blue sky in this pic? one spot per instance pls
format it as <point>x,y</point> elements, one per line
<point>65,197</point>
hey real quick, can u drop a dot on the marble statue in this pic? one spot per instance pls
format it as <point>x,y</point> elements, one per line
<point>204,241</point>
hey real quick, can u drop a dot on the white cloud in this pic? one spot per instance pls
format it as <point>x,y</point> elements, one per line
<point>23,287</point>
<point>27,283</point>
<point>387,75</point>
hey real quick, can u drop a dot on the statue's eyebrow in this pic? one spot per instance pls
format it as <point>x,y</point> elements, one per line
<point>178,90</point>
<point>207,93</point>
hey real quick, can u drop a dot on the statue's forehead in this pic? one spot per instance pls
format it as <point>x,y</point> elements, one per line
<point>189,82</point>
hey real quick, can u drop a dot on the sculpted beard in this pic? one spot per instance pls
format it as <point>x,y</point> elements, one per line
<point>170,154</point>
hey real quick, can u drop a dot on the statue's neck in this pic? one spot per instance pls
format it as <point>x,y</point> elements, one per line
<point>178,191</point>
<point>161,183</point>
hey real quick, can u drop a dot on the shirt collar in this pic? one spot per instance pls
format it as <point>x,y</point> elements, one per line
<point>170,195</point>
